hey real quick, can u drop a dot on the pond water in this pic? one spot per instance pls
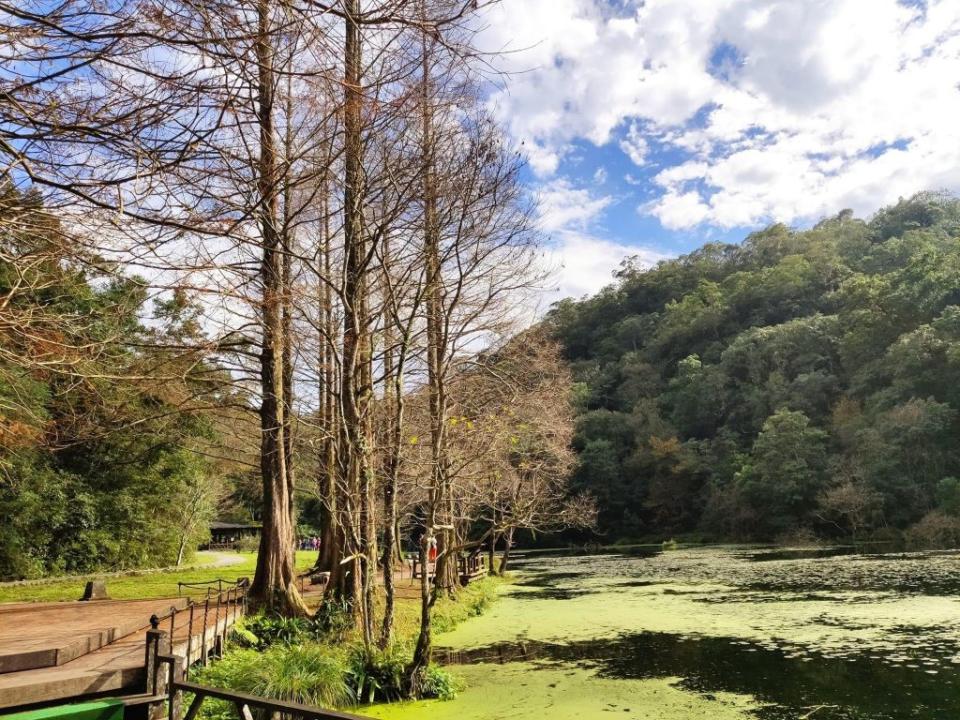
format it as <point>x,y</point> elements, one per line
<point>726,632</point>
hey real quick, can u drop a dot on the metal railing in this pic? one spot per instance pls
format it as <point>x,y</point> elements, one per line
<point>469,567</point>
<point>207,585</point>
<point>230,603</point>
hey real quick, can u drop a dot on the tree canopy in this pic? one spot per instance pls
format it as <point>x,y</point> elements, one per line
<point>105,438</point>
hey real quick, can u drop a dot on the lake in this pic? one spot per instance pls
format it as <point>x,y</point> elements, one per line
<point>721,632</point>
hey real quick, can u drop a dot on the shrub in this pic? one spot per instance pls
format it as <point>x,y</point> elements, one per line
<point>270,629</point>
<point>379,675</point>
<point>438,683</point>
<point>313,674</point>
<point>247,544</point>
<point>935,530</point>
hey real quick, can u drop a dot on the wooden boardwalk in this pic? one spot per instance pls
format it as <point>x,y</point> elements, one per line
<point>61,651</point>
<point>34,635</point>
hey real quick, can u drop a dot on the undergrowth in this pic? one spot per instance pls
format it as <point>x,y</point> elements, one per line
<point>321,661</point>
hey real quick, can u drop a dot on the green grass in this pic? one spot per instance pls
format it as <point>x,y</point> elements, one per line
<point>143,584</point>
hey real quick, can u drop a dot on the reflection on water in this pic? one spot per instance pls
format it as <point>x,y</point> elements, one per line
<point>856,653</point>
<point>852,687</point>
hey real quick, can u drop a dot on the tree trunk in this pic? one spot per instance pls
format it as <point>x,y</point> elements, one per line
<point>349,582</point>
<point>505,558</point>
<point>286,299</point>
<point>273,587</point>
<point>492,554</point>
<point>182,549</point>
<point>393,410</point>
<point>328,559</point>
<point>437,399</point>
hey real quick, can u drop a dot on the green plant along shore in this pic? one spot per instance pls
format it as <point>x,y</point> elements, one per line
<point>324,662</point>
<point>802,381</point>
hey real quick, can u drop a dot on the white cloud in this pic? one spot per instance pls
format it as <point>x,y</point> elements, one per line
<point>563,206</point>
<point>578,261</point>
<point>677,211</point>
<point>635,145</point>
<point>582,264</point>
<point>818,105</point>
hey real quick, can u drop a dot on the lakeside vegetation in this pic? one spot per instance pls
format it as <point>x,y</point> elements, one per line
<point>324,662</point>
<point>801,384</point>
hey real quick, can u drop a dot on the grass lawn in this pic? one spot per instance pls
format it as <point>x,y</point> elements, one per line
<point>145,584</point>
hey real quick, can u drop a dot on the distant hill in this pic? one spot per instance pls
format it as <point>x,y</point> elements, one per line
<point>802,381</point>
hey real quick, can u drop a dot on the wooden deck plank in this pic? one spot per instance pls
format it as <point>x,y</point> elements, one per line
<point>44,635</point>
<point>116,667</point>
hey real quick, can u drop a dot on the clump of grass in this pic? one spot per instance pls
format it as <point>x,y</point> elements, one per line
<point>379,675</point>
<point>309,673</point>
<point>440,684</point>
<point>260,631</point>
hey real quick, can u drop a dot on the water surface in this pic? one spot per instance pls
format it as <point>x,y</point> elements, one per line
<point>732,632</point>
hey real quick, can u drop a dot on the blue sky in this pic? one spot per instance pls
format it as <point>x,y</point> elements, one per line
<point>654,126</point>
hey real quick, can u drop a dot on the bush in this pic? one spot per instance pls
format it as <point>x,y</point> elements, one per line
<point>935,530</point>
<point>311,673</point>
<point>333,619</point>
<point>438,683</point>
<point>270,630</point>
<point>800,537</point>
<point>321,661</point>
<point>379,675</point>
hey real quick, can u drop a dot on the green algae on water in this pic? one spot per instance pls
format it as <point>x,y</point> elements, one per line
<point>774,635</point>
<point>524,690</point>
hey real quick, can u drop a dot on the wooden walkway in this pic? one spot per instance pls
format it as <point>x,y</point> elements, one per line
<point>34,635</point>
<point>60,651</point>
<point>56,652</point>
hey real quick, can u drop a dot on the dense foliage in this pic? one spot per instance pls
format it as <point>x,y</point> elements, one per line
<point>99,440</point>
<point>802,380</point>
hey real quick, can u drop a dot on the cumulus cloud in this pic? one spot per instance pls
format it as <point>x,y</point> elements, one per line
<point>768,110</point>
<point>634,145</point>
<point>582,264</point>
<point>563,207</point>
<point>578,261</point>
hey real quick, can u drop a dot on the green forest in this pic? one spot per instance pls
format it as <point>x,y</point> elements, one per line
<point>800,383</point>
<point>105,438</point>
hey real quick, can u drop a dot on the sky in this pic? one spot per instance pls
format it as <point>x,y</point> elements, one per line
<point>654,126</point>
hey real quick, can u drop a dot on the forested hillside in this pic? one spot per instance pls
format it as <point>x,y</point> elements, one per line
<point>799,381</point>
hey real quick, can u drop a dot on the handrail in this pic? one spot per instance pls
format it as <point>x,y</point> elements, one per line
<point>244,701</point>
<point>206,584</point>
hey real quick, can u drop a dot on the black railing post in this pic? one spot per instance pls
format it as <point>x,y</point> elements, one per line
<point>186,667</point>
<point>206,611</point>
<point>175,695</point>
<point>156,645</point>
<point>216,624</point>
